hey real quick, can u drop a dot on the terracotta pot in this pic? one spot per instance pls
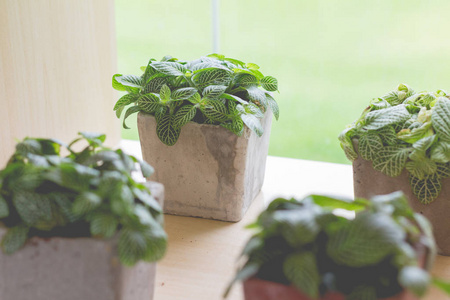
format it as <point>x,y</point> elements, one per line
<point>74,269</point>
<point>210,172</point>
<point>368,182</point>
<point>257,289</point>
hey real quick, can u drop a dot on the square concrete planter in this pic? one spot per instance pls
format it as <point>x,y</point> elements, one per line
<point>368,182</point>
<point>210,172</point>
<point>62,268</point>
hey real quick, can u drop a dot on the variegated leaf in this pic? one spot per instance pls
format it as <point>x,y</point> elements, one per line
<point>421,168</point>
<point>347,144</point>
<point>273,105</point>
<point>213,91</point>
<point>215,110</point>
<point>301,270</point>
<point>155,85</point>
<point>443,170</point>
<point>441,118</point>
<point>169,68</point>
<point>183,93</point>
<point>369,145</point>
<point>441,152</point>
<point>167,131</point>
<point>427,189</point>
<point>253,123</point>
<point>149,103</point>
<point>246,80</point>
<point>388,135</point>
<point>185,114</point>
<point>269,83</point>
<point>378,119</point>
<point>130,81</point>
<point>391,160</point>
<point>212,77</point>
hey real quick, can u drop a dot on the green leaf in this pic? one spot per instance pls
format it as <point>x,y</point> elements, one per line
<point>131,81</point>
<point>378,119</point>
<point>298,227</point>
<point>215,110</point>
<point>427,189</point>
<point>132,246</point>
<point>4,210</point>
<point>117,85</point>
<point>212,77</point>
<point>125,100</point>
<point>169,68</point>
<point>443,170</point>
<point>345,137</point>
<point>414,279</point>
<point>32,207</point>
<point>421,168</point>
<point>196,98</point>
<point>234,61</point>
<point>365,241</point>
<point>440,118</point>
<point>269,83</point>
<point>251,66</point>
<point>183,93</point>
<point>441,152</point>
<point>94,138</point>
<point>273,106</point>
<point>185,114</point>
<point>332,202</point>
<point>155,85</point>
<point>253,123</point>
<point>86,202</point>
<point>369,145</point>
<point>14,239</point>
<point>104,225</point>
<point>216,56</point>
<point>301,269</point>
<point>247,80</point>
<point>149,103</point>
<point>165,93</point>
<point>391,160</point>
<point>414,135</point>
<point>213,91</point>
<point>146,169</point>
<point>167,131</point>
<point>233,97</point>
<point>131,110</point>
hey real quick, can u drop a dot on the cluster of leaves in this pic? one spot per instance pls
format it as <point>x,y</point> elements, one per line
<point>212,90</point>
<point>312,246</point>
<point>87,193</point>
<point>405,129</point>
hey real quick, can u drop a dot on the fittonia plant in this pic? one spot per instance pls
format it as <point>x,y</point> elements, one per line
<point>212,90</point>
<point>87,193</point>
<point>405,130</point>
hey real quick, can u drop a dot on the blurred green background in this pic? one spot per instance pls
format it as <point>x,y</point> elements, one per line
<point>330,57</point>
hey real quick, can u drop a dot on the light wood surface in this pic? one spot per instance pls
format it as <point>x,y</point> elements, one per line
<point>202,254</point>
<point>57,58</point>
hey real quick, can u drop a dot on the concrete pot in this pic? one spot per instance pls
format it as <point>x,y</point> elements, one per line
<point>210,172</point>
<point>74,269</point>
<point>257,289</point>
<point>368,182</point>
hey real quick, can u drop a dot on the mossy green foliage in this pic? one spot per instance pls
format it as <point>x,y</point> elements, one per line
<point>211,90</point>
<point>312,245</point>
<point>86,193</point>
<point>405,130</point>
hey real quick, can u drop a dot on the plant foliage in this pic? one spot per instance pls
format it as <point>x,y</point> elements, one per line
<point>211,90</point>
<point>87,193</point>
<point>405,130</point>
<point>310,245</point>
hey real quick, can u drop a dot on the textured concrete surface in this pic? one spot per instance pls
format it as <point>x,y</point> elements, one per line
<point>210,172</point>
<point>74,269</point>
<point>369,182</point>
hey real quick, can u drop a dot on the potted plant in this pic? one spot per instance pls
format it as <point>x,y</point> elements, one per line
<point>199,125</point>
<point>402,142</point>
<point>79,226</point>
<point>317,248</point>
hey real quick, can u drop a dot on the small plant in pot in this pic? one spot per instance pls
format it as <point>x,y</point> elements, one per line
<point>402,142</point>
<point>77,226</point>
<point>317,248</point>
<point>204,125</point>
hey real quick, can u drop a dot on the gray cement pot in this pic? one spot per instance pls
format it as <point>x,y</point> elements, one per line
<point>74,269</point>
<point>368,182</point>
<point>210,172</point>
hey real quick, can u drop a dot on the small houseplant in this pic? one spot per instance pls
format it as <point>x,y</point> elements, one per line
<point>402,142</point>
<point>79,225</point>
<point>310,249</point>
<point>199,125</point>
